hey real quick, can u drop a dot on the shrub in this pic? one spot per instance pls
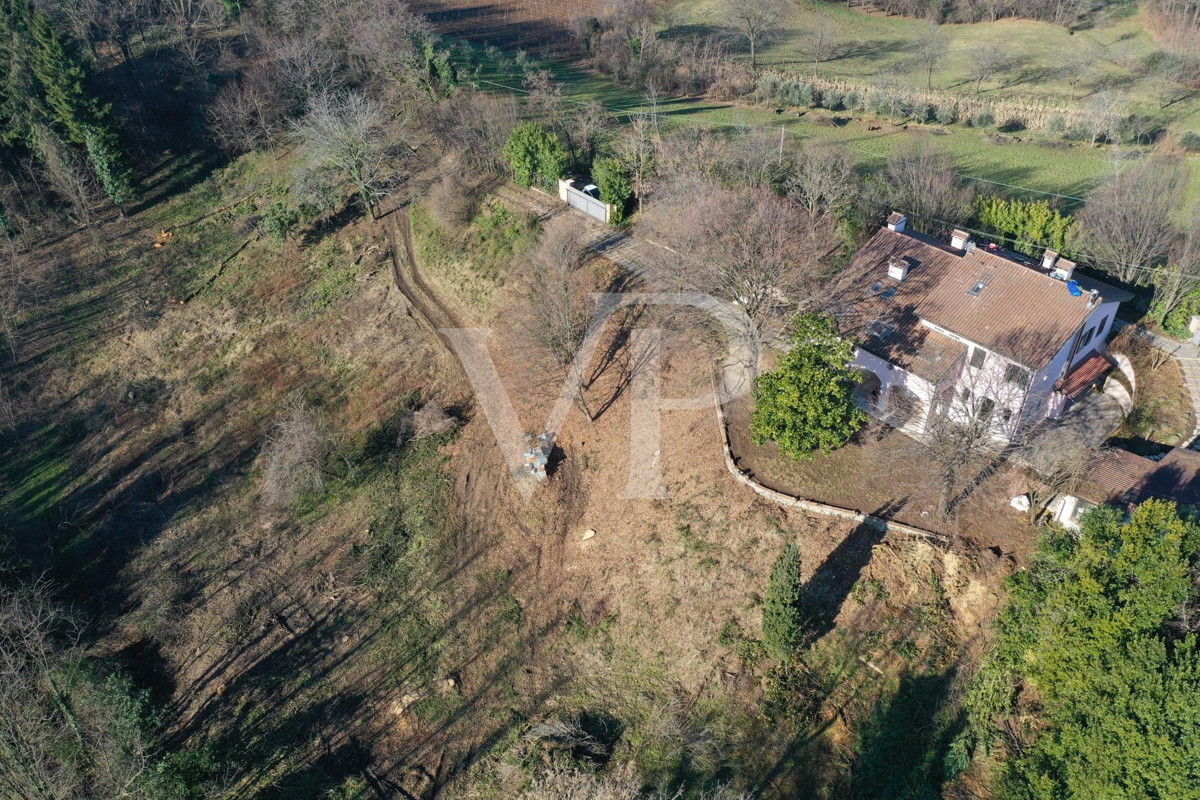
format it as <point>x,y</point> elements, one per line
<point>947,115</point>
<point>783,606</point>
<point>536,155</point>
<point>1077,133</point>
<point>1056,125</point>
<point>983,119</point>
<point>795,93</point>
<point>279,220</point>
<point>616,189</point>
<point>852,100</point>
<point>1190,141</point>
<point>832,99</point>
<point>924,112</point>
<point>294,456</point>
<point>768,85</point>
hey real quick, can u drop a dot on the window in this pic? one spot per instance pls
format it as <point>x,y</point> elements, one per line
<point>1016,375</point>
<point>986,406</point>
<point>977,289</point>
<point>1081,508</point>
<point>1006,415</point>
<point>1087,337</point>
<point>978,356</point>
<point>1100,328</point>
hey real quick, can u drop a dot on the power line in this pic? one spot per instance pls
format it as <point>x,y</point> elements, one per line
<point>1094,262</point>
<point>797,134</point>
<point>1011,240</point>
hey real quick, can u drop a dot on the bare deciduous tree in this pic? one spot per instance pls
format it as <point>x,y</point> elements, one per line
<point>823,178</point>
<point>454,200</point>
<point>756,20</point>
<point>1059,456</point>
<point>967,429</point>
<point>820,41</point>
<point>347,132</point>
<point>590,126</point>
<point>930,49</point>
<point>637,150</point>
<point>1180,276</point>
<point>67,175</point>
<point>245,114</point>
<point>1126,224</point>
<point>478,124</point>
<point>305,69</point>
<point>920,181</point>
<point>1079,67</point>
<point>987,60</point>
<point>559,309</point>
<point>745,246</point>
<point>294,455</point>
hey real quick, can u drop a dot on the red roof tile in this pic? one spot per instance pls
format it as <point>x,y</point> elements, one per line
<point>1123,476</point>
<point>1086,373</point>
<point>1017,311</point>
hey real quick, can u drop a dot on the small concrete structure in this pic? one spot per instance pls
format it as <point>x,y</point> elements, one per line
<point>537,457</point>
<point>586,199</point>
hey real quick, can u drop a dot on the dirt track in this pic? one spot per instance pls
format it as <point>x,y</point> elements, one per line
<point>430,311</point>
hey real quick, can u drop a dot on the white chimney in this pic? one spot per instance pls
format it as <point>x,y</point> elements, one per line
<point>959,239</point>
<point>1064,268</point>
<point>898,268</point>
<point>1049,258</point>
<point>897,222</point>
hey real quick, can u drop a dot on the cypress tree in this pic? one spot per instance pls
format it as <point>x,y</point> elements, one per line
<point>783,608</point>
<point>44,82</point>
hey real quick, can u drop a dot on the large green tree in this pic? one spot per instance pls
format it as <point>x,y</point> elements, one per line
<point>1099,632</point>
<point>783,607</point>
<point>807,404</point>
<point>536,155</point>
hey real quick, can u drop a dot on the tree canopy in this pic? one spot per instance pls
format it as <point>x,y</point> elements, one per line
<point>1099,630</point>
<point>44,88</point>
<point>535,155</point>
<point>807,403</point>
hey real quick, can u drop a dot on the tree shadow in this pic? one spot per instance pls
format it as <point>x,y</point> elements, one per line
<point>830,583</point>
<point>902,747</point>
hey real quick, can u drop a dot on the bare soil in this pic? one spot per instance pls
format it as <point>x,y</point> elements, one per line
<point>876,474</point>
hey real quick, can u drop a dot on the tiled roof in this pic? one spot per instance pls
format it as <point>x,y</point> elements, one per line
<point>1123,476</point>
<point>1012,309</point>
<point>1086,373</point>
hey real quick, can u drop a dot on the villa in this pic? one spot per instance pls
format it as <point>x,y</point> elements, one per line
<point>955,328</point>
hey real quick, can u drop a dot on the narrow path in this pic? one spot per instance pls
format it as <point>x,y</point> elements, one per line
<point>644,259</point>
<point>1188,356</point>
<point>429,310</point>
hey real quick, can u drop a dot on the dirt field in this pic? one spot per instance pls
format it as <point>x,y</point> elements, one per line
<point>538,26</point>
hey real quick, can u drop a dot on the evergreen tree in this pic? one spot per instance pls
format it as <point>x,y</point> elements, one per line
<point>807,404</point>
<point>783,608</point>
<point>615,189</point>
<point>44,83</point>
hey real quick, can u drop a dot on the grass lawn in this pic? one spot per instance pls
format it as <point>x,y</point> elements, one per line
<point>871,45</point>
<point>1037,162</point>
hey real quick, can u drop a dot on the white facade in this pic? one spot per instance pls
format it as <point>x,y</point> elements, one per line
<point>989,383</point>
<point>894,379</point>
